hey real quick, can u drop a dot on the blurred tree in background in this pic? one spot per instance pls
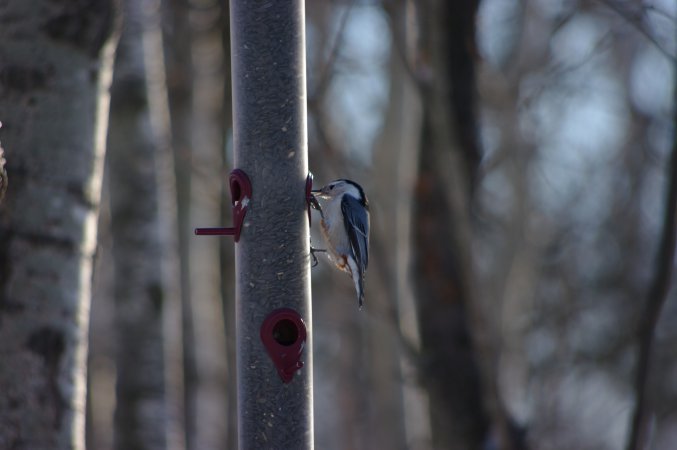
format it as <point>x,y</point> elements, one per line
<point>519,158</point>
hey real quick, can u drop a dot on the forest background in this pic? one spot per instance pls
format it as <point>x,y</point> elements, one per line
<point>521,164</point>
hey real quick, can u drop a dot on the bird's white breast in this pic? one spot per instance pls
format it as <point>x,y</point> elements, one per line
<point>333,229</point>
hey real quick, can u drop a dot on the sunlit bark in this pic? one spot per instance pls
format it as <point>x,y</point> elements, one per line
<point>55,70</point>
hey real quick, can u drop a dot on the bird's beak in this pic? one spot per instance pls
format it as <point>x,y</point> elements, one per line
<point>315,204</point>
<point>319,193</point>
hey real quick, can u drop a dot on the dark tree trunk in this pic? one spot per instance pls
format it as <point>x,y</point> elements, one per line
<point>441,244</point>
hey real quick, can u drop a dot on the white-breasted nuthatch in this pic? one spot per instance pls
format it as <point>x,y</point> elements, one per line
<point>345,227</point>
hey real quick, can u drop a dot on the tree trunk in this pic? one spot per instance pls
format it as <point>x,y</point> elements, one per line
<point>441,248</point>
<point>55,68</point>
<point>196,72</point>
<point>179,74</point>
<point>405,419</point>
<point>227,261</point>
<point>141,410</point>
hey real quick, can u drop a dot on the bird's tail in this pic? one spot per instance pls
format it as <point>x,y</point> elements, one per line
<point>358,278</point>
<point>359,286</point>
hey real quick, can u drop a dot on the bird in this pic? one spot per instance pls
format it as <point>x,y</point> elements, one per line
<point>344,209</point>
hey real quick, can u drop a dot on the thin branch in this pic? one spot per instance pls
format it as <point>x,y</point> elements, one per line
<point>327,68</point>
<point>634,20</point>
<point>399,46</point>
<point>659,11</point>
<point>656,297</point>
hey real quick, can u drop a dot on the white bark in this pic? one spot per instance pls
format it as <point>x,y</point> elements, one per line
<point>142,211</point>
<point>55,62</point>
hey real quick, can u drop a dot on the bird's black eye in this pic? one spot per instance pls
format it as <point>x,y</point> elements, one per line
<point>331,188</point>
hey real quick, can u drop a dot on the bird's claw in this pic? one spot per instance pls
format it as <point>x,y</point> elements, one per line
<point>315,204</point>
<point>312,254</point>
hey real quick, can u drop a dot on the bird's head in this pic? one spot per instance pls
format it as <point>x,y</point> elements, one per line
<point>337,188</point>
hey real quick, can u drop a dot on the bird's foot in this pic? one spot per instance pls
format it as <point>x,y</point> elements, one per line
<point>316,205</point>
<point>312,254</point>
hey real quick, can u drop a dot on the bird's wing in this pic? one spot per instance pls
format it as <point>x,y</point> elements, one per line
<point>356,220</point>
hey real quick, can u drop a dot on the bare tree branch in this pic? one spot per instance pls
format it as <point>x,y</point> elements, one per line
<point>635,20</point>
<point>656,297</point>
<point>399,44</point>
<point>326,73</point>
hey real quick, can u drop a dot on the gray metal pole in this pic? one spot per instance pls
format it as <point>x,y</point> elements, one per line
<point>272,256</point>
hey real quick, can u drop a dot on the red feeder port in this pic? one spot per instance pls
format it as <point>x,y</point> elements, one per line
<point>283,334</point>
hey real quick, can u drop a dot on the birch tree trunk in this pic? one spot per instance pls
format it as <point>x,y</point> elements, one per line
<point>55,68</point>
<point>141,414</point>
